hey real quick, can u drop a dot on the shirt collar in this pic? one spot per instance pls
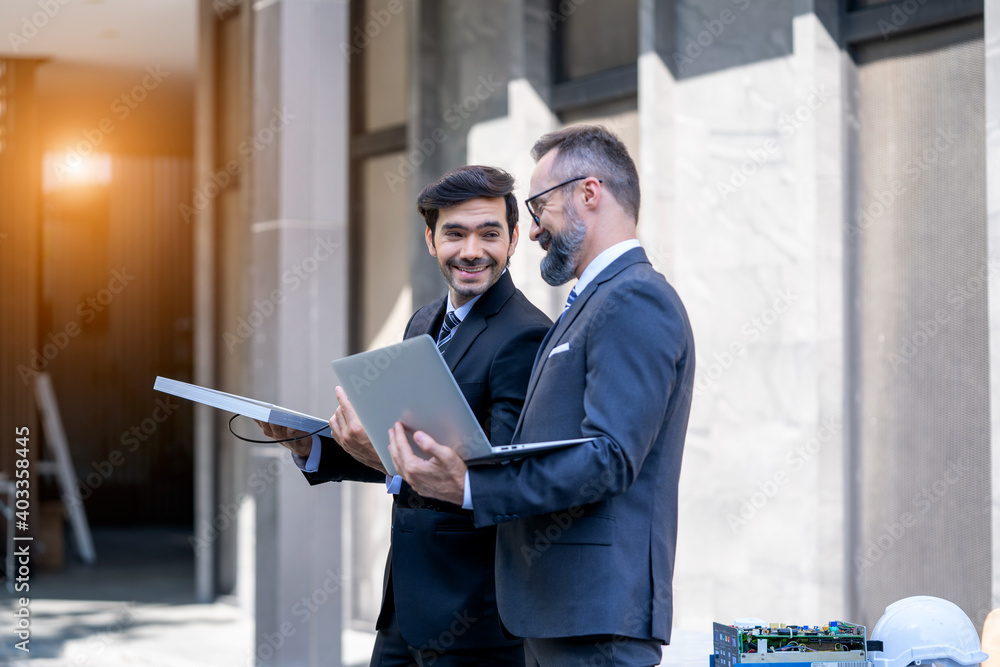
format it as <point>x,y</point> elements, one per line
<point>602,262</point>
<point>462,310</point>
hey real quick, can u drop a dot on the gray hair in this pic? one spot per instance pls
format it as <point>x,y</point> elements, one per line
<point>593,150</point>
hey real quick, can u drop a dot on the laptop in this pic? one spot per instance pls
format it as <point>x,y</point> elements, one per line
<point>410,382</point>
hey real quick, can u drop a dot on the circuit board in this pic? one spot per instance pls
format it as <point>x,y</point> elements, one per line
<point>836,642</point>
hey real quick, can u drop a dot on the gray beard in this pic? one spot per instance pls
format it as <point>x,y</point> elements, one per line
<point>559,265</point>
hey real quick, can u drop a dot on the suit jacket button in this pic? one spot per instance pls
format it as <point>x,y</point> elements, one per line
<point>499,517</point>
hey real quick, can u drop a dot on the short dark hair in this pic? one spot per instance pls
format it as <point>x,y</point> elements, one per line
<point>464,183</point>
<point>593,150</point>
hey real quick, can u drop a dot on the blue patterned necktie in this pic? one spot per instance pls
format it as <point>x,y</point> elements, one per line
<point>570,299</point>
<point>448,327</point>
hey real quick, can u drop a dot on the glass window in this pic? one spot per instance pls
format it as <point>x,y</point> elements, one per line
<point>595,36</point>
<point>387,306</point>
<point>387,232</point>
<point>382,34</point>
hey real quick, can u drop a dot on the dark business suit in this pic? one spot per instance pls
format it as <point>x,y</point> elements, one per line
<point>440,570</point>
<point>586,535</point>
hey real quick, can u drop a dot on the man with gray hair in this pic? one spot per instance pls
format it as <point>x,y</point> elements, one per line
<point>586,535</point>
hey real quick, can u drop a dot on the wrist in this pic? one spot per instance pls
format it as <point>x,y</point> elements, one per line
<point>302,447</point>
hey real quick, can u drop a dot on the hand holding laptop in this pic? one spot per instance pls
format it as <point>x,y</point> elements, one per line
<point>410,383</point>
<point>347,430</point>
<point>441,475</point>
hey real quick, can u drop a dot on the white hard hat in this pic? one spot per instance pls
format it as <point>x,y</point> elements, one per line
<point>924,629</point>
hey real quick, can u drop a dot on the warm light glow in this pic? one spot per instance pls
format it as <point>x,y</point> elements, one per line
<point>70,169</point>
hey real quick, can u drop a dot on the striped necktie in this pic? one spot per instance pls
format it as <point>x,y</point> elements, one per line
<point>448,327</point>
<point>570,299</point>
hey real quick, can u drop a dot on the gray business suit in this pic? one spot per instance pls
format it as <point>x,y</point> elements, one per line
<point>587,534</point>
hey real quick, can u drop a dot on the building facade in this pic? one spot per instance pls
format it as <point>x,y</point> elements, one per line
<point>820,186</point>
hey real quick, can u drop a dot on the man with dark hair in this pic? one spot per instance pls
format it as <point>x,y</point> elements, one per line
<point>586,535</point>
<point>464,183</point>
<point>439,595</point>
<point>468,276</point>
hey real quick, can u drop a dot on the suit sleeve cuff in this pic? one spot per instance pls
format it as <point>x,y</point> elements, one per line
<point>467,494</point>
<point>393,484</point>
<point>310,464</point>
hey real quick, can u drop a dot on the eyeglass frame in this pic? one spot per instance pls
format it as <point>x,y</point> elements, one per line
<point>527,202</point>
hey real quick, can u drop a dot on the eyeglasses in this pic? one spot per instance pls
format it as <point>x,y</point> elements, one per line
<point>527,202</point>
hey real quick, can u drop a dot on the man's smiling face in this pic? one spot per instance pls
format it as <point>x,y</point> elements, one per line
<point>472,244</point>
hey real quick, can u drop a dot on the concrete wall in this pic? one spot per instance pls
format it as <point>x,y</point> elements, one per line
<point>742,212</point>
<point>282,300</point>
<point>992,38</point>
<point>756,257</point>
<point>299,216</point>
<point>741,144</point>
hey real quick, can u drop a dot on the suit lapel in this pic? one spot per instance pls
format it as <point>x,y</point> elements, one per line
<point>565,321</point>
<point>430,323</point>
<point>550,341</point>
<point>466,333</point>
<point>475,321</point>
<point>563,324</point>
<point>428,320</point>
